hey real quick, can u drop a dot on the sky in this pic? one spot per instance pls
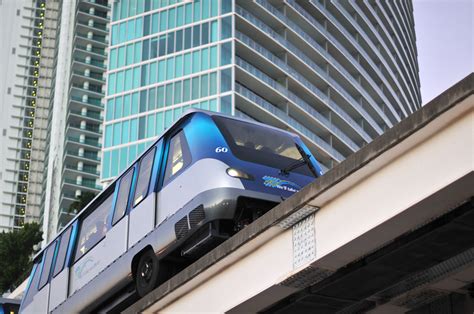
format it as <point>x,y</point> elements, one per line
<point>445,40</point>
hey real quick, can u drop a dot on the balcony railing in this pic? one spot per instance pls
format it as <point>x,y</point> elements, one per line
<point>95,50</point>
<point>95,76</point>
<point>89,114</point>
<point>86,155</point>
<point>99,26</point>
<point>97,63</point>
<point>90,128</point>
<point>85,142</point>
<point>91,101</point>
<point>87,184</point>
<point>100,39</point>
<point>91,88</point>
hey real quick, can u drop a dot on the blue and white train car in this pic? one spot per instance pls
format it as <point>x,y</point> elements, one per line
<point>205,178</point>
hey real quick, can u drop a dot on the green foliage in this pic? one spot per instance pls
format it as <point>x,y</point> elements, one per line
<point>16,249</point>
<point>81,202</point>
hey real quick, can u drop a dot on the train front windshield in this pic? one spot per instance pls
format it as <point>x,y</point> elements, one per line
<point>261,145</point>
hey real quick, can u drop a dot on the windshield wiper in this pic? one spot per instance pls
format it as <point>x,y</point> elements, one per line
<point>304,160</point>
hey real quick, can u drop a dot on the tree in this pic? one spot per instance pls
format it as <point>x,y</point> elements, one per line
<point>16,249</point>
<point>82,201</point>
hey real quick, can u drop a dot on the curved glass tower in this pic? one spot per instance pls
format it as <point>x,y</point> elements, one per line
<point>338,73</point>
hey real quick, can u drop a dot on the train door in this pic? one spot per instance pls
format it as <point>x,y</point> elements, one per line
<point>143,202</point>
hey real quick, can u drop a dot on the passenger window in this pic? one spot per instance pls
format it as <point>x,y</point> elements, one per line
<point>33,288</point>
<point>94,227</point>
<point>47,265</point>
<point>61,257</point>
<point>122,198</point>
<point>144,175</point>
<point>178,156</point>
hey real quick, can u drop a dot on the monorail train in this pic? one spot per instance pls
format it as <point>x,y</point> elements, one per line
<point>205,178</point>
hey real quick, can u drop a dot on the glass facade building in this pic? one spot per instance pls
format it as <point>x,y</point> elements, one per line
<point>336,73</point>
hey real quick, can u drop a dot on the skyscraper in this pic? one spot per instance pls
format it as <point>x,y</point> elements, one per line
<point>28,37</point>
<point>338,73</point>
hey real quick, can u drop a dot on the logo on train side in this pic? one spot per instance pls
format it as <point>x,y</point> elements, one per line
<point>277,183</point>
<point>85,267</point>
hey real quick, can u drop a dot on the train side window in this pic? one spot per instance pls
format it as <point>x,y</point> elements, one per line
<point>122,198</point>
<point>179,156</point>
<point>61,257</point>
<point>144,175</point>
<point>93,227</point>
<point>33,287</point>
<point>48,260</point>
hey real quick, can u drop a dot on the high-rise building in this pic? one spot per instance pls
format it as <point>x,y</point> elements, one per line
<point>338,73</point>
<point>28,37</point>
<point>73,144</point>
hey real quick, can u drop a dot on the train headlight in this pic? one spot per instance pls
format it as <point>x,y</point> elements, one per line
<point>235,173</point>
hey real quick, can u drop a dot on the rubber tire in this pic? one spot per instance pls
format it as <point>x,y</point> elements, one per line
<point>146,276</point>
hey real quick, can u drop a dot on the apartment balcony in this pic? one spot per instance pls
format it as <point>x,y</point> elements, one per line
<point>88,116</point>
<point>90,90</point>
<point>64,217</point>
<point>80,64</point>
<point>84,101</point>
<point>85,170</point>
<point>83,185</point>
<point>85,38</point>
<point>77,141</point>
<point>79,77</point>
<point>76,155</point>
<point>88,24</point>
<point>83,51</point>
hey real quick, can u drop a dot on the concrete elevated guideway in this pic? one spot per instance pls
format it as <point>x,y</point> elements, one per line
<point>389,230</point>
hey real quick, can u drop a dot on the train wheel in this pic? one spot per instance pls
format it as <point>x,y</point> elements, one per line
<point>147,273</point>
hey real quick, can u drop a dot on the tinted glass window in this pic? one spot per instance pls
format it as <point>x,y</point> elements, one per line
<point>261,145</point>
<point>178,156</point>
<point>33,289</point>
<point>93,227</point>
<point>143,179</point>
<point>63,245</point>
<point>122,198</point>
<point>47,265</point>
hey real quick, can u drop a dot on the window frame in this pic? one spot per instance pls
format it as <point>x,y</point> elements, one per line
<point>52,246</point>
<point>152,151</point>
<point>64,262</point>
<point>186,151</point>
<point>130,171</point>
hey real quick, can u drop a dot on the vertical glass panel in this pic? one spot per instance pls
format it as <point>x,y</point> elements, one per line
<point>189,13</point>
<point>126,105</point>
<point>47,262</point>
<point>170,69</point>
<point>168,118</point>
<point>205,59</point>
<point>187,38</point>
<point>170,43</point>
<point>226,53</point>
<point>172,18</point>
<point>61,255</point>
<point>133,7</point>
<point>205,34</point>
<point>160,97</point>
<point>178,64</point>
<point>213,57</point>
<point>196,35</point>
<point>140,148</point>
<point>204,105</point>
<point>213,83</point>
<point>106,165</point>
<point>118,108</point>
<point>187,90</point>
<point>177,112</point>
<point>179,16</point>
<point>197,10</point>
<point>143,179</point>
<point>131,30</point>
<point>140,6</point>
<point>109,110</point>
<point>139,27</point>
<point>123,9</point>
<point>153,74</point>
<point>143,100</point>
<point>150,129</point>
<point>136,77</point>
<point>214,31</point>
<point>128,79</point>
<point>159,123</point>
<point>155,4</point>
<point>226,27</point>
<point>213,105</point>
<point>141,127</point>
<point>187,64</point>
<point>135,102</point>
<point>162,46</point>
<point>155,26</point>
<point>179,40</point>
<point>123,195</point>
<point>116,11</point>
<point>161,70</point>
<point>121,57</point>
<point>146,50</point>
<point>226,80</point>
<point>153,48</point>
<point>123,32</point>
<point>177,92</point>
<point>114,163</point>
<point>226,104</point>
<point>123,158</point>
<point>226,6</point>
<point>125,131</point>
<point>108,135</point>
<point>111,84</point>
<point>205,9</point>
<point>132,153</point>
<point>169,95</point>
<point>196,61</point>
<point>163,20</point>
<point>195,88</point>
<point>113,59</point>
<point>152,99</point>
<point>204,85</point>
<point>144,80</point>
<point>214,7</point>
<point>117,133</point>
<point>129,54</point>
<point>164,3</point>
<point>138,52</point>
<point>146,25</point>
<point>147,5</point>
